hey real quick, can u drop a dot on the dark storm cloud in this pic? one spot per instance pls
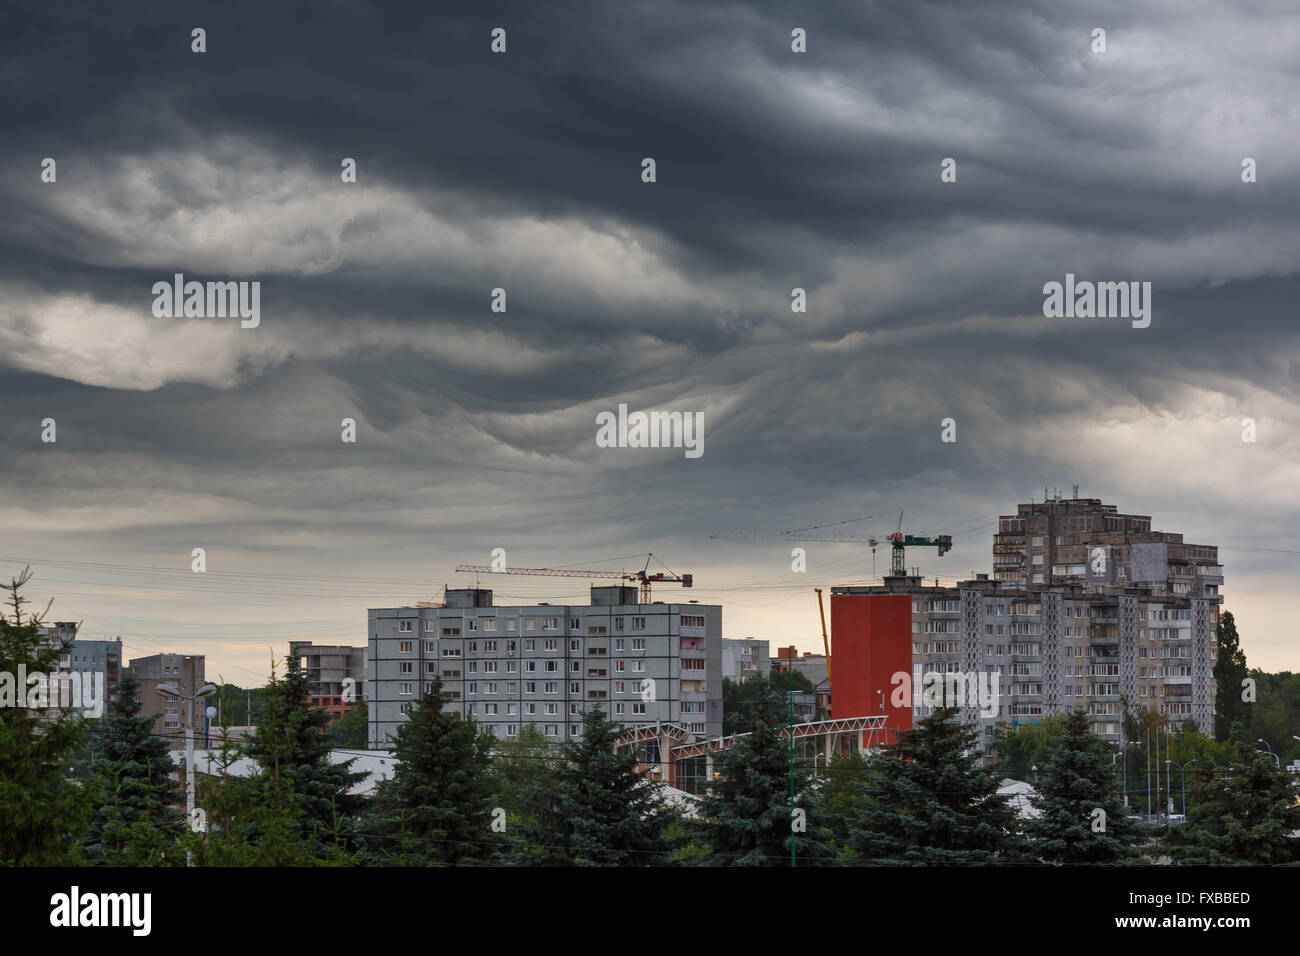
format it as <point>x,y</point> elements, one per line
<point>522,171</point>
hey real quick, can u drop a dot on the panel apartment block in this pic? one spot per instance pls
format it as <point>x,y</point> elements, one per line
<point>507,667</point>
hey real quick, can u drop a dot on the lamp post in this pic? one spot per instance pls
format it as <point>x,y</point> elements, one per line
<point>1269,751</point>
<point>204,691</point>
<point>1182,772</point>
<point>1124,754</point>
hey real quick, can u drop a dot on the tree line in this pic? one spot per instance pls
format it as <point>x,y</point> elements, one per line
<point>460,797</point>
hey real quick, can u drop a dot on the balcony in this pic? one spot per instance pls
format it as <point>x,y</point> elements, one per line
<point>694,653</point>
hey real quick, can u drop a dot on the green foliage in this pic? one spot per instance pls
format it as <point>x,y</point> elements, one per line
<point>748,815</point>
<point>517,764</point>
<point>351,730</point>
<point>41,813</point>
<point>844,779</point>
<point>745,703</point>
<point>1229,671</point>
<point>437,807</point>
<point>293,751</point>
<point>136,822</point>
<point>1076,779</point>
<point>595,810</point>
<point>927,800</point>
<point>1021,747</point>
<point>1244,814</point>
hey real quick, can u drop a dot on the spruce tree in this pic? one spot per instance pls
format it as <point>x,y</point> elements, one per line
<point>927,800</point>
<point>437,807</point>
<point>760,805</point>
<point>1075,780</point>
<point>1245,813</point>
<point>595,809</point>
<point>41,815</point>
<point>138,821</point>
<point>293,749</point>
<point>1229,672</point>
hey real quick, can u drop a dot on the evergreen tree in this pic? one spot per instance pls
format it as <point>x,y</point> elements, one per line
<point>761,697</point>
<point>595,809</point>
<point>138,821</point>
<point>351,731</point>
<point>1229,672</point>
<point>845,776</point>
<point>293,750</point>
<point>41,815</point>
<point>258,820</point>
<point>437,807</point>
<point>927,800</point>
<point>516,764</point>
<point>1076,779</point>
<point>1244,814</point>
<point>761,804</point>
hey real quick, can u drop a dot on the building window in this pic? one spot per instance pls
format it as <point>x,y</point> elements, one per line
<point>430,626</point>
<point>406,667</point>
<point>489,624</point>
<point>638,624</point>
<point>575,687</point>
<point>530,645</point>
<point>552,687</point>
<point>404,647</point>
<point>550,624</point>
<point>618,644</point>
<point>405,689</point>
<point>692,621</point>
<point>638,643</point>
<point>403,625</point>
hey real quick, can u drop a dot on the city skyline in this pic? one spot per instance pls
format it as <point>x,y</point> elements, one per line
<point>500,278</point>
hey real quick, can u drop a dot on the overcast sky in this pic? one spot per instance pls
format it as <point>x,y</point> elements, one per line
<point>775,170</point>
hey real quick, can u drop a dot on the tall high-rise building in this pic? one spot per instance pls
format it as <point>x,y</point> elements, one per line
<point>507,667</point>
<point>1091,608</point>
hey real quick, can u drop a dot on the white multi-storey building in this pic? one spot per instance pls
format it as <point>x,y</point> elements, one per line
<point>507,667</point>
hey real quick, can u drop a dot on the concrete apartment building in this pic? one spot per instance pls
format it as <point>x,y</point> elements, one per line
<point>327,667</point>
<point>97,657</point>
<point>185,672</point>
<point>85,658</point>
<point>1091,606</point>
<point>742,658</point>
<point>507,667</point>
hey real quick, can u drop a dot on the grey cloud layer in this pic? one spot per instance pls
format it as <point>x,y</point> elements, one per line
<point>522,171</point>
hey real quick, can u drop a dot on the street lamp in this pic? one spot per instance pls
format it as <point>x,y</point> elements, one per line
<point>1124,754</point>
<point>1183,774</point>
<point>1269,751</point>
<point>205,691</point>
